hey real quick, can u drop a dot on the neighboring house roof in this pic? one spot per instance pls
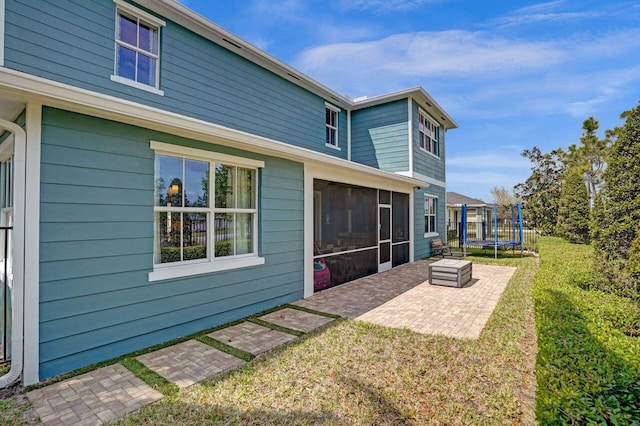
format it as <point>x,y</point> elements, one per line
<point>456,199</point>
<point>197,23</point>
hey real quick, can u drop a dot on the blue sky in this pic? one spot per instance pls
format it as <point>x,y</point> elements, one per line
<point>514,74</point>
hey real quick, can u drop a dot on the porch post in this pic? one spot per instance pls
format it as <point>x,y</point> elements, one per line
<point>32,245</point>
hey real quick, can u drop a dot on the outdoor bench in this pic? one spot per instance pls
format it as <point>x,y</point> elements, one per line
<point>438,247</point>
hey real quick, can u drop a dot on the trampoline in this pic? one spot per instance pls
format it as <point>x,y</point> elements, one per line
<point>516,231</point>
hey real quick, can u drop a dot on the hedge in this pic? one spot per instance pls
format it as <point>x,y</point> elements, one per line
<point>588,362</point>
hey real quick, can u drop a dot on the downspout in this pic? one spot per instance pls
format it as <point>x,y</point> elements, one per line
<point>17,330</point>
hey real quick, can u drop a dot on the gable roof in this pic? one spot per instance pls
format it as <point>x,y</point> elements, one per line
<point>182,15</point>
<point>456,199</point>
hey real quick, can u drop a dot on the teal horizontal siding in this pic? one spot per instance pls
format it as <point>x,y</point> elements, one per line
<point>126,345</point>
<point>422,246</point>
<point>423,162</point>
<point>380,136</point>
<point>96,246</point>
<point>73,42</point>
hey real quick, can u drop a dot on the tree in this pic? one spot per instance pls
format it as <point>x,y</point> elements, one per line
<point>504,200</point>
<point>617,212</point>
<point>541,192</point>
<point>590,157</point>
<point>574,208</point>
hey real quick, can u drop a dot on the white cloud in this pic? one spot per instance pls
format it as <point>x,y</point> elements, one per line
<point>384,5</point>
<point>538,18</point>
<point>478,183</point>
<point>560,12</point>
<point>438,53</point>
<point>504,160</point>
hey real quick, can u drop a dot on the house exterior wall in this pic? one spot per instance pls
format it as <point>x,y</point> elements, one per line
<point>422,245</point>
<point>96,219</point>
<point>96,246</point>
<point>426,163</point>
<point>379,136</point>
<point>73,42</point>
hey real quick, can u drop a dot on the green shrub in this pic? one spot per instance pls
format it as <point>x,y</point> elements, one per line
<point>573,209</point>
<point>617,213</point>
<point>588,364</point>
<point>172,254</point>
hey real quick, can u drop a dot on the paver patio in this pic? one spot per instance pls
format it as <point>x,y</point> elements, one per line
<point>454,312</point>
<point>403,297</point>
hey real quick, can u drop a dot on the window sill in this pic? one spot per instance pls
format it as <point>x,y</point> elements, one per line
<point>166,273</point>
<point>431,234</point>
<point>337,148</point>
<point>428,152</point>
<point>137,85</point>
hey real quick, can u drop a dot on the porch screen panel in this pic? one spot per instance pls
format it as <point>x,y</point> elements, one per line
<point>346,217</point>
<point>400,226</point>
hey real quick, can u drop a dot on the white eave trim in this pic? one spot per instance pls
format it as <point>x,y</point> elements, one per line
<point>420,95</point>
<point>423,178</point>
<point>64,96</point>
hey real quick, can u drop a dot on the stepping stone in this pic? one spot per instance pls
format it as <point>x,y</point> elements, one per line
<point>252,338</point>
<point>189,362</point>
<point>296,319</point>
<point>92,398</point>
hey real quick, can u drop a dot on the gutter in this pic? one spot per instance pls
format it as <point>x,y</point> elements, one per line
<point>17,330</point>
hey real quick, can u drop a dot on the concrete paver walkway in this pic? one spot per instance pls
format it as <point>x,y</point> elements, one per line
<point>296,320</point>
<point>189,362</point>
<point>252,338</point>
<point>401,297</point>
<point>92,398</point>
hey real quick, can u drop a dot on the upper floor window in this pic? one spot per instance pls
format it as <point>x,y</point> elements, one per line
<point>430,214</point>
<point>331,120</point>
<point>137,47</point>
<point>205,210</point>
<point>429,135</point>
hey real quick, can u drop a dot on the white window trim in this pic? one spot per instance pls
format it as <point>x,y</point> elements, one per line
<point>140,14</point>
<point>201,154</point>
<point>337,126</point>
<point>132,83</point>
<point>204,266</point>
<point>430,234</point>
<point>427,117</point>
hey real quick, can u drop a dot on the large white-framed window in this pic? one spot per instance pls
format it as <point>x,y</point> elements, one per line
<point>429,132</point>
<point>137,48</point>
<point>331,125</point>
<point>430,215</point>
<point>205,211</point>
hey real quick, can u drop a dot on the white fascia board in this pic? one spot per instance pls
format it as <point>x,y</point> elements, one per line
<point>420,95</point>
<point>423,178</point>
<point>64,96</point>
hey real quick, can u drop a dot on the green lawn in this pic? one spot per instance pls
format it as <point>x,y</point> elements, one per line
<point>587,366</point>
<point>356,373</point>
